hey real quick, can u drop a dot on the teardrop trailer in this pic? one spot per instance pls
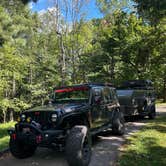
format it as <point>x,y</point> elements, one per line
<point>137,97</point>
<point>67,124</point>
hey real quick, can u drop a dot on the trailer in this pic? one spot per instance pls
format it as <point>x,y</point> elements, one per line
<point>137,97</point>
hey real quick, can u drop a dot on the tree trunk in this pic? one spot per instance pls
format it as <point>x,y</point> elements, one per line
<point>42,101</point>
<point>30,76</point>
<point>11,111</point>
<point>4,116</point>
<point>14,85</point>
<point>164,91</point>
<point>74,69</point>
<point>11,115</point>
<point>63,60</point>
<point>112,67</point>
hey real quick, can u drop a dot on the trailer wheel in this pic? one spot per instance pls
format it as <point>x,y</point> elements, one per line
<point>78,146</point>
<point>152,113</point>
<point>143,110</point>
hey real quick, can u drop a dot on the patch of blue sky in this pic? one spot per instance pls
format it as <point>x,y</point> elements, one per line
<point>90,10</point>
<point>41,5</point>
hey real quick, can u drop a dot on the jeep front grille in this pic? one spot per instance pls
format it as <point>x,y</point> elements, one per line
<point>41,117</point>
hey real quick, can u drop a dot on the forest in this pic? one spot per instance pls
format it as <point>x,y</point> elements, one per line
<point>57,47</point>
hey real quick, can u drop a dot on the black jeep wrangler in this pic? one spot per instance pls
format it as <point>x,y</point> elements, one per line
<point>68,122</point>
<point>137,97</point>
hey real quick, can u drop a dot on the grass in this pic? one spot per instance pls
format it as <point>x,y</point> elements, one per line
<point>160,102</point>
<point>4,137</point>
<point>146,147</point>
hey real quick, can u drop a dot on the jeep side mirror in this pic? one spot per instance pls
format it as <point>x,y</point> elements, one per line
<point>48,101</point>
<point>97,99</point>
<point>97,96</point>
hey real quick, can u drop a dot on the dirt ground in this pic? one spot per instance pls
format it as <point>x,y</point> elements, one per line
<point>106,149</point>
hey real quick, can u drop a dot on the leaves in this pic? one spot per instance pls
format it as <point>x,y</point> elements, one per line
<point>39,51</point>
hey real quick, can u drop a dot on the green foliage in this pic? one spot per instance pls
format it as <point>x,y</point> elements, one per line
<point>110,6</point>
<point>147,147</point>
<point>41,51</point>
<point>128,48</point>
<point>151,10</point>
<point>4,137</point>
<point>27,1</point>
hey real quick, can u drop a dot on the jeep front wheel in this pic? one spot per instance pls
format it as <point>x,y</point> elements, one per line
<point>20,150</point>
<point>78,146</point>
<point>118,124</point>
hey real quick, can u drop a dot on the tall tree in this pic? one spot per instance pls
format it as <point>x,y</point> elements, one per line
<point>151,10</point>
<point>66,17</point>
<point>110,6</point>
<point>27,1</point>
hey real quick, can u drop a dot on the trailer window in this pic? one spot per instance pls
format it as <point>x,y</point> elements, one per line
<point>124,92</point>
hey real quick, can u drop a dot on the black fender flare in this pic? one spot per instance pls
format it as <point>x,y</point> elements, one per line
<point>84,118</point>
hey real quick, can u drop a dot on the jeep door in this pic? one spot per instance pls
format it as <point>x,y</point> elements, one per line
<point>97,107</point>
<point>110,103</point>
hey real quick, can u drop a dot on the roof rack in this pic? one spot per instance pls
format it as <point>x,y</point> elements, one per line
<point>100,84</point>
<point>86,84</point>
<point>137,84</point>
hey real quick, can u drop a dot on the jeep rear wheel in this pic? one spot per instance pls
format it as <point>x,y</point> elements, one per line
<point>78,146</point>
<point>20,150</point>
<point>118,124</point>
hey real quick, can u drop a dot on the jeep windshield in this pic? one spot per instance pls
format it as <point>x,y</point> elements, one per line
<point>71,94</point>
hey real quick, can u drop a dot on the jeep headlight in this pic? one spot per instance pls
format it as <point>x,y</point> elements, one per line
<point>23,116</point>
<point>67,110</point>
<point>54,117</point>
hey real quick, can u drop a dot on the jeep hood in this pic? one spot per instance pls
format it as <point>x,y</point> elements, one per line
<point>63,108</point>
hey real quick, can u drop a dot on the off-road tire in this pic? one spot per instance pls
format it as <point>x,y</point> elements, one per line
<point>20,150</point>
<point>78,146</point>
<point>143,110</point>
<point>118,123</point>
<point>152,113</point>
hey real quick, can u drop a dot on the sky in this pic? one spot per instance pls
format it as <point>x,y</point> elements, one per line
<point>91,9</point>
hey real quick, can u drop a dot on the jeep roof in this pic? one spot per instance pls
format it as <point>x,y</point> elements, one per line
<point>137,84</point>
<point>85,85</point>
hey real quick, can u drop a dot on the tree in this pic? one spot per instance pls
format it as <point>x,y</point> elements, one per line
<point>65,18</point>
<point>110,6</point>
<point>151,10</point>
<point>15,30</point>
<point>154,13</point>
<point>27,1</point>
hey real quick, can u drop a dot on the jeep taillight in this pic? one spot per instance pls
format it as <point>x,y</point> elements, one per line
<point>38,139</point>
<point>13,136</point>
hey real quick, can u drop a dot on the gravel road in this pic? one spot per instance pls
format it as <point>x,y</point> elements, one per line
<point>105,149</point>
